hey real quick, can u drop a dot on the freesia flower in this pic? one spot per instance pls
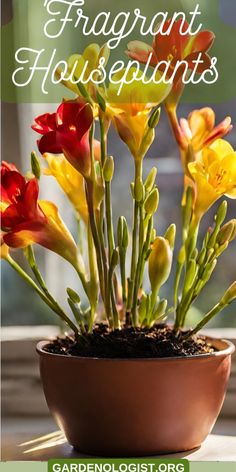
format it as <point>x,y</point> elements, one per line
<point>70,180</point>
<point>26,220</point>
<point>174,47</point>
<point>83,65</point>
<point>131,109</point>
<point>11,181</point>
<point>200,130</point>
<point>214,175</point>
<point>67,132</point>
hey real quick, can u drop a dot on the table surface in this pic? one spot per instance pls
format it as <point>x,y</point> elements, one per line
<point>28,446</point>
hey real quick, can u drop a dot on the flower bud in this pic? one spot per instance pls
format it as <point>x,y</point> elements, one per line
<point>154,118</point>
<point>142,309</point>
<point>138,190</point>
<point>182,255</point>
<point>170,235</point>
<point>120,230</point>
<point>233,234</point>
<point>227,233</point>
<point>108,169</point>
<point>159,263</point>
<point>114,258</point>
<point>202,256</point>
<point>35,165</point>
<point>220,249</point>
<point>191,273</point>
<point>221,213</point>
<point>122,233</point>
<point>161,309</point>
<point>146,142</point>
<point>151,202</point>
<point>208,270</point>
<point>150,181</point>
<point>73,295</point>
<point>229,295</point>
<point>125,240</point>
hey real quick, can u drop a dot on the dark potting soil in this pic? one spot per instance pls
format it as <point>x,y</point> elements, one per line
<point>158,341</point>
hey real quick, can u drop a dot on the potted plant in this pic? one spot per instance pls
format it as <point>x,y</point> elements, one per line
<point>124,382</point>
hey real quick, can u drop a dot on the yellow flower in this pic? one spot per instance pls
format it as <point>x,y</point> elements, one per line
<point>4,253</point>
<point>199,129</point>
<point>131,108</point>
<point>70,180</point>
<point>55,236</point>
<point>214,175</point>
<point>85,64</point>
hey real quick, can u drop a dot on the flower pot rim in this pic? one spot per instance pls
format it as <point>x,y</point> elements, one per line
<point>225,347</point>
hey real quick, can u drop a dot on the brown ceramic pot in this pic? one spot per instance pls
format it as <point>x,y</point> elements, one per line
<point>136,407</point>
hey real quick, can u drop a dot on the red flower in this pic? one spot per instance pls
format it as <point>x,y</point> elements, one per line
<point>11,182</point>
<point>26,220</point>
<point>67,132</point>
<point>174,47</point>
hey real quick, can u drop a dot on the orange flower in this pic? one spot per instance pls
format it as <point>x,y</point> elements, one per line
<point>200,131</point>
<point>70,180</point>
<point>171,48</point>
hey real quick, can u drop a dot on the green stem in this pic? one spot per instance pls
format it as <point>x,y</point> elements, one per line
<point>138,175</point>
<point>183,306</point>
<point>30,256</point>
<point>110,232</point>
<point>77,316</point>
<point>172,115</point>
<point>179,269</point>
<point>146,247</point>
<point>83,280</point>
<point>140,270</point>
<point>115,322</point>
<point>122,253</point>
<point>91,138</point>
<point>89,197</point>
<point>108,204</point>
<point>103,141</point>
<point>42,295</point>
<point>216,309</point>
<point>105,269</point>
<point>141,227</point>
<point>93,275</point>
<point>97,233</point>
<point>133,256</point>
